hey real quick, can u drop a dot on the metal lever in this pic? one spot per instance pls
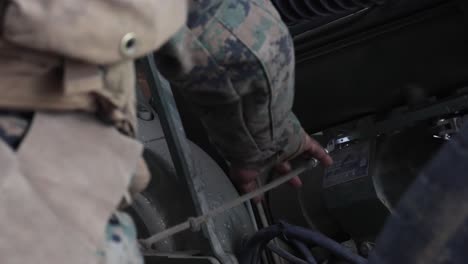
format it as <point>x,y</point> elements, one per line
<point>195,222</point>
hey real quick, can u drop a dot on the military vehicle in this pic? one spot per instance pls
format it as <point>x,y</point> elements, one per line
<point>380,83</point>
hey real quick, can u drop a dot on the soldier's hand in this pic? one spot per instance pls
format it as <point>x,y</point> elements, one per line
<point>311,149</point>
<point>245,178</point>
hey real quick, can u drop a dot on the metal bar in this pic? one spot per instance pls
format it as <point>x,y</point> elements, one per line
<point>460,103</point>
<point>407,118</point>
<point>315,52</point>
<point>229,205</point>
<point>164,103</point>
<point>157,257</point>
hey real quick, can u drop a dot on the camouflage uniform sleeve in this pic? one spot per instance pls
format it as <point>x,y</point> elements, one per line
<point>234,61</point>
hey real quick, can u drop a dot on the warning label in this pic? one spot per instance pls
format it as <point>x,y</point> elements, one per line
<point>349,164</point>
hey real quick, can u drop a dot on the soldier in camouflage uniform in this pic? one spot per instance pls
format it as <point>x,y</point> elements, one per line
<point>234,62</point>
<point>67,115</point>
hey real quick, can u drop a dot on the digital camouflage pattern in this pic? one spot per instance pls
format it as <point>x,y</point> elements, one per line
<point>60,187</point>
<point>13,127</point>
<point>121,246</point>
<point>234,61</point>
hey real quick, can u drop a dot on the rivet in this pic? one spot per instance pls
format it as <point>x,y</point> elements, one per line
<point>128,45</point>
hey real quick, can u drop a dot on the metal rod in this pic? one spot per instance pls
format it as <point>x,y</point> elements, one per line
<point>180,150</point>
<point>193,223</point>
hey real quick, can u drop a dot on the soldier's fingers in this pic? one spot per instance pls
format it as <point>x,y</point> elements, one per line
<point>296,182</point>
<point>245,180</point>
<point>313,149</point>
<point>285,167</point>
<point>250,187</point>
<point>243,176</point>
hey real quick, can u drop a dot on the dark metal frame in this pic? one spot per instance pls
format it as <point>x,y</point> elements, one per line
<point>164,103</point>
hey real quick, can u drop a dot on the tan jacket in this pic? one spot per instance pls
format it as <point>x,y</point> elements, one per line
<point>77,55</point>
<point>57,192</point>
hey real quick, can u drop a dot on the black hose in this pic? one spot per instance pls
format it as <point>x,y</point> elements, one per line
<point>258,241</point>
<point>285,254</point>
<point>300,10</point>
<point>250,252</point>
<point>304,250</point>
<point>320,240</point>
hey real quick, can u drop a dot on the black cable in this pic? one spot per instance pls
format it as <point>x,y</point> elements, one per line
<point>306,235</point>
<point>304,250</point>
<point>300,10</point>
<point>285,254</point>
<point>258,241</point>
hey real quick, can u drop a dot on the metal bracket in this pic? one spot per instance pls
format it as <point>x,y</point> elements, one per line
<point>164,103</point>
<point>178,259</point>
<point>446,128</point>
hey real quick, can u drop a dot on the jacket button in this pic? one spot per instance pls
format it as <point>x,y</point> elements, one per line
<point>128,45</point>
